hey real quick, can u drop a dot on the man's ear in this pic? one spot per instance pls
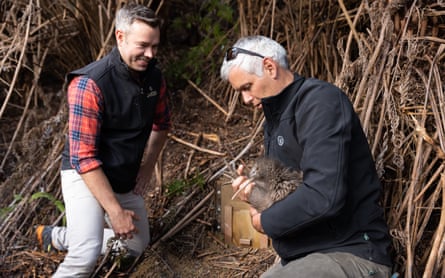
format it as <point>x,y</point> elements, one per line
<point>270,67</point>
<point>119,36</point>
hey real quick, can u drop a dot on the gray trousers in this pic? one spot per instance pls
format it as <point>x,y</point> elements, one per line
<point>329,265</point>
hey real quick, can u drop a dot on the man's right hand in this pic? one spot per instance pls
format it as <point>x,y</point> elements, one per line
<point>240,182</point>
<point>122,223</point>
<point>121,219</point>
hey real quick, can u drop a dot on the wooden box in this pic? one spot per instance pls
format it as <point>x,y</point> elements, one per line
<point>236,222</point>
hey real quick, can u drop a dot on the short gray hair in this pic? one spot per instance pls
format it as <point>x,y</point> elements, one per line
<point>132,12</point>
<point>252,64</point>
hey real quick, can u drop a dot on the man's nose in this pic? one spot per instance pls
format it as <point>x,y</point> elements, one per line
<point>247,98</point>
<point>148,52</point>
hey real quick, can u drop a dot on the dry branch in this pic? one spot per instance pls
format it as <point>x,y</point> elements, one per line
<point>193,146</point>
<point>208,98</point>
<point>388,56</point>
<point>190,216</point>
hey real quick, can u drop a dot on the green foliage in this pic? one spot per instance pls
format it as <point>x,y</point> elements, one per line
<point>57,203</point>
<point>6,210</point>
<point>209,27</point>
<point>178,187</point>
<point>17,198</point>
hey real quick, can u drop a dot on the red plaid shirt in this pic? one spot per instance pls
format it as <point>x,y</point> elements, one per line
<point>86,107</point>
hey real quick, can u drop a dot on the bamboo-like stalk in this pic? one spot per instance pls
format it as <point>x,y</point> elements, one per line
<point>206,96</point>
<point>191,215</point>
<point>20,61</point>
<point>386,56</point>
<point>25,110</point>
<point>432,265</point>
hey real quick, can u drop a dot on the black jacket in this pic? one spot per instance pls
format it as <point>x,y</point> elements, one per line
<point>129,109</point>
<point>311,126</point>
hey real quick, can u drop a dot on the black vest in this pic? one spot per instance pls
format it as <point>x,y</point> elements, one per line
<point>129,109</point>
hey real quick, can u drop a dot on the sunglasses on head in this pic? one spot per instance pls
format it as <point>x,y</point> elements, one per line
<point>232,52</point>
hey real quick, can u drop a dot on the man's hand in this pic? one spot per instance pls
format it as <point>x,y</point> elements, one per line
<point>122,223</point>
<point>241,185</point>
<point>243,194</point>
<point>121,219</point>
<point>256,220</point>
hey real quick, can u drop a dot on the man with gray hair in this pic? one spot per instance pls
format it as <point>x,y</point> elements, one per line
<point>332,225</point>
<point>118,124</point>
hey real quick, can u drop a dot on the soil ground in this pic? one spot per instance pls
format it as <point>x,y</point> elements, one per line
<point>199,250</point>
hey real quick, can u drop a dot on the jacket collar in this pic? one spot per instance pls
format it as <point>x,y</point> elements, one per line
<point>123,68</point>
<point>274,106</point>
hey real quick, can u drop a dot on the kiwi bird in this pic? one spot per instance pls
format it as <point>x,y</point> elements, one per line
<point>273,182</point>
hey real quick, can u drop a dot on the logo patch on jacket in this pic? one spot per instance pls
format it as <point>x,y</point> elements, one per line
<point>152,92</point>
<point>280,140</point>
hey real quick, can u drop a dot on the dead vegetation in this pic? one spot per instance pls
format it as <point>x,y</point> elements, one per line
<point>387,55</point>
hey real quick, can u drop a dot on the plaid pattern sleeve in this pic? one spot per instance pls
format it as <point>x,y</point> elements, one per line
<point>85,103</point>
<point>162,118</point>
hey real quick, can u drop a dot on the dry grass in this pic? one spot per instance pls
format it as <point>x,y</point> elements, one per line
<point>387,55</point>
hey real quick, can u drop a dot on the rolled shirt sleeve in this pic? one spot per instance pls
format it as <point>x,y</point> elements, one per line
<point>86,106</point>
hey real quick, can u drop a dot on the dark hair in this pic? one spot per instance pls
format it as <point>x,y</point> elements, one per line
<point>129,13</point>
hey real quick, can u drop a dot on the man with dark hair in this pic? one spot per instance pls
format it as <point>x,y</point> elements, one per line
<point>118,124</point>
